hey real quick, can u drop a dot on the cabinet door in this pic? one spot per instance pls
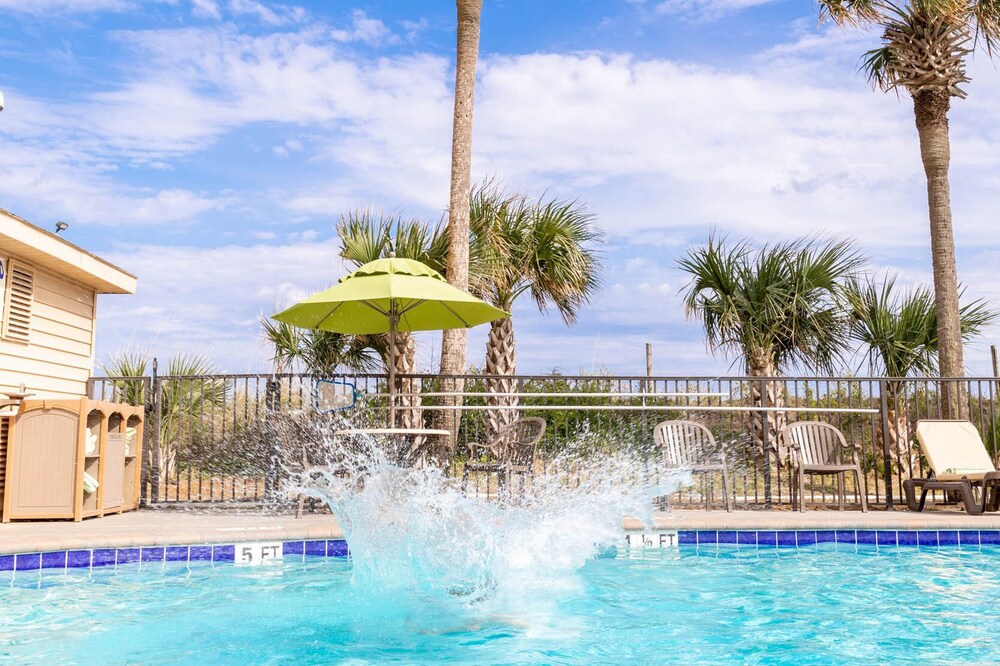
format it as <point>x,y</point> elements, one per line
<point>114,471</point>
<point>42,457</point>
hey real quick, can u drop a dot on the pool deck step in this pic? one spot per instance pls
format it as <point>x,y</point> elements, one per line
<point>162,528</point>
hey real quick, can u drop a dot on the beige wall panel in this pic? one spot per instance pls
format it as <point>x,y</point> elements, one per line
<point>58,358</point>
<point>53,296</point>
<point>62,329</point>
<point>55,314</point>
<point>14,356</point>
<point>61,285</point>
<point>45,340</point>
<point>49,387</point>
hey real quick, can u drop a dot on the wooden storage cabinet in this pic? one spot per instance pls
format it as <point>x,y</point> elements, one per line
<point>72,459</point>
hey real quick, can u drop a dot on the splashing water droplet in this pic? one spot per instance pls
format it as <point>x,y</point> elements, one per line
<point>414,531</point>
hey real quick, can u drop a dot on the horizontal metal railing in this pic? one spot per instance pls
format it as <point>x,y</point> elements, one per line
<point>210,438</point>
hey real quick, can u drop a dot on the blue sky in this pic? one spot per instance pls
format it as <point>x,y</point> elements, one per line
<point>208,146</point>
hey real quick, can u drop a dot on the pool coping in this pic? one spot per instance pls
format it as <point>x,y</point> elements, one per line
<point>162,528</point>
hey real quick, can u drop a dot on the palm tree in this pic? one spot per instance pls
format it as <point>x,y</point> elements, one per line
<point>898,335</point>
<point>924,47</point>
<point>544,248</point>
<point>189,392</point>
<point>453,342</point>
<point>366,236</point>
<point>318,352</point>
<point>773,307</point>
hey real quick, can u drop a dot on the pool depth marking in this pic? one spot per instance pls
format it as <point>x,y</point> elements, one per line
<point>256,553</point>
<point>652,540</point>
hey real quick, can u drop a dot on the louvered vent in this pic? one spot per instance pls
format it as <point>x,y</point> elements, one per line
<point>4,436</point>
<point>20,293</point>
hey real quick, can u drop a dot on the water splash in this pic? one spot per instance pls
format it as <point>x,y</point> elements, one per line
<point>415,530</point>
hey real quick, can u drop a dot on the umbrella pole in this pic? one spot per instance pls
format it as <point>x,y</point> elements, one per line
<point>392,366</point>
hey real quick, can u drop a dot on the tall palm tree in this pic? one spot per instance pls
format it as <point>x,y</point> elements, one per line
<point>544,248</point>
<point>453,342</point>
<point>898,335</point>
<point>924,47</point>
<point>366,236</point>
<point>773,307</point>
<point>319,352</point>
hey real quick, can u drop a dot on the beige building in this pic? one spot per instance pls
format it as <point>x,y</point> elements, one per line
<point>49,309</point>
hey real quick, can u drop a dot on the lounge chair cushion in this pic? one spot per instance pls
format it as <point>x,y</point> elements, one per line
<point>954,450</point>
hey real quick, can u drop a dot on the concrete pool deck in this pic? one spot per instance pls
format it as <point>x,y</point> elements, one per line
<point>170,527</point>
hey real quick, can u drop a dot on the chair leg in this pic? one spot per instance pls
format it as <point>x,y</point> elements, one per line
<point>861,490</point>
<point>465,479</point>
<point>970,501</point>
<point>802,490</point>
<point>841,490</point>
<point>301,504</point>
<point>725,491</point>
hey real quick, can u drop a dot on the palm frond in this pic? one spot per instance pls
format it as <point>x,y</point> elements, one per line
<point>851,12</point>
<point>545,247</point>
<point>898,330</point>
<point>877,64</point>
<point>986,18</point>
<point>285,341</point>
<point>776,305</point>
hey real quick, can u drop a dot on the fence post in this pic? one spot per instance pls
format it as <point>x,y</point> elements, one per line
<point>886,454</point>
<point>154,449</point>
<point>147,434</point>
<point>765,438</point>
<point>272,404</point>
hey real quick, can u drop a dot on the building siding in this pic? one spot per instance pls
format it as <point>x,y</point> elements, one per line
<point>59,356</point>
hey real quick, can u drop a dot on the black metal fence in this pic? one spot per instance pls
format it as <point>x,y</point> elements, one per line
<point>225,438</point>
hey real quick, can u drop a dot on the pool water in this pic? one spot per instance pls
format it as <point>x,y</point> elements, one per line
<point>823,604</point>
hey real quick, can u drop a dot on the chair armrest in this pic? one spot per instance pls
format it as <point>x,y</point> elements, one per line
<point>477,449</point>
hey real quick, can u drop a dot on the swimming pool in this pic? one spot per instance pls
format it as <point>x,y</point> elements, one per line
<point>820,603</point>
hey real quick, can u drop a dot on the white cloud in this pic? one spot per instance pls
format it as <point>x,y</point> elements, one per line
<point>206,9</point>
<point>273,15</point>
<point>707,9</point>
<point>207,299</point>
<point>414,28</point>
<point>363,29</point>
<point>45,7</point>
<point>51,184</point>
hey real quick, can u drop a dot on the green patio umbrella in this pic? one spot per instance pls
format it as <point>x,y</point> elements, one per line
<point>386,296</point>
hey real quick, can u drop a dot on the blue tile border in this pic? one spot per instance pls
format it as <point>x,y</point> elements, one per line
<point>6,562</point>
<point>882,539</point>
<point>110,557</point>
<point>338,548</point>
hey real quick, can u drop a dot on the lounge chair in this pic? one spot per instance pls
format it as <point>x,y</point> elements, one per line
<point>818,449</point>
<point>512,452</point>
<point>959,464</point>
<point>690,446</point>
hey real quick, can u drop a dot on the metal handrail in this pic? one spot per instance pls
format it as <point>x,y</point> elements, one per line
<point>635,408</point>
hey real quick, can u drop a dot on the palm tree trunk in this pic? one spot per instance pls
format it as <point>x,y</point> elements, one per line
<point>453,342</point>
<point>501,360</point>
<point>931,110</point>
<point>898,437</point>
<point>408,410</point>
<point>770,393</point>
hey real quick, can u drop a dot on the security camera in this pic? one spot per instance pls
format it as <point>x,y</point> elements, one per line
<point>1,100</point>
